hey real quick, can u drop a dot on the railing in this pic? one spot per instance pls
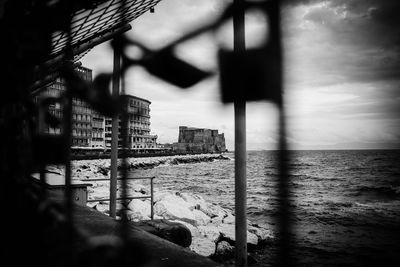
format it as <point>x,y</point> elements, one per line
<point>151,196</point>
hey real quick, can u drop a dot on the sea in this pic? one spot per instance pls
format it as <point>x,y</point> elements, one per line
<point>345,204</point>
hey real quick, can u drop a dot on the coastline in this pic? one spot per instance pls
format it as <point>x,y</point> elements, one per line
<point>212,226</point>
<point>96,153</point>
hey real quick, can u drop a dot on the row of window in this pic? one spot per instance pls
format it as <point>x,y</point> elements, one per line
<point>97,125</point>
<point>140,111</point>
<point>80,142</point>
<point>81,110</point>
<point>52,130</point>
<point>138,118</point>
<point>137,103</point>
<point>96,118</point>
<point>140,146</point>
<point>97,135</point>
<point>82,125</point>
<point>84,133</point>
<point>81,117</point>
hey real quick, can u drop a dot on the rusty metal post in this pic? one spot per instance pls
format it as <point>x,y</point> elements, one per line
<point>240,150</point>
<point>114,137</point>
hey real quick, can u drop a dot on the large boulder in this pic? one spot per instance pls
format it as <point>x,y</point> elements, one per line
<point>175,232</point>
<point>201,218</point>
<point>139,210</point>
<point>228,234</point>
<point>203,242</point>
<point>262,233</point>
<point>173,207</point>
<point>194,201</point>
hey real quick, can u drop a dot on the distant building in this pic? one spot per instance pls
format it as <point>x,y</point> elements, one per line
<point>138,128</point>
<point>98,130</point>
<point>81,112</point>
<point>199,140</point>
<point>92,129</point>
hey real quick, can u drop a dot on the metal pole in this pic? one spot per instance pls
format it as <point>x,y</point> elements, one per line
<point>114,137</point>
<point>152,198</point>
<point>240,150</point>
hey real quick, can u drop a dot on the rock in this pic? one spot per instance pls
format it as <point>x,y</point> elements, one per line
<point>175,232</point>
<point>203,246</point>
<point>102,170</point>
<point>134,216</point>
<point>203,238</point>
<point>263,234</point>
<point>229,219</point>
<point>222,157</point>
<point>228,233</point>
<point>216,213</point>
<point>224,250</point>
<point>174,208</point>
<point>194,201</point>
<point>211,232</point>
<point>103,207</point>
<point>141,209</point>
<point>201,218</point>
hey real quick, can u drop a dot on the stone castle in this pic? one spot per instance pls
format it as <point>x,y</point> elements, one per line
<point>199,140</point>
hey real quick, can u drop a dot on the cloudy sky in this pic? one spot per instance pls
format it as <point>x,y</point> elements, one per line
<point>342,74</point>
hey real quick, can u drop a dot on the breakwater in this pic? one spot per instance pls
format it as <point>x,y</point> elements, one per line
<point>101,153</point>
<point>100,168</point>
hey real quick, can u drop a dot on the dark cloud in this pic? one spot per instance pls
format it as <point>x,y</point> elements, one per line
<point>364,34</point>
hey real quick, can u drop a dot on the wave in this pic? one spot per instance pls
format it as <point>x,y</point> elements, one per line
<point>386,191</point>
<point>301,165</point>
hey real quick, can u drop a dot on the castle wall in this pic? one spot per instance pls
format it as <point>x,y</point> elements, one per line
<point>199,140</point>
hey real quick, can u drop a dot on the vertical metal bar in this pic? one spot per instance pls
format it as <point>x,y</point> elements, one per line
<point>114,136</point>
<point>67,135</point>
<point>240,149</point>
<point>285,244</point>
<point>124,127</point>
<point>124,162</point>
<point>151,198</point>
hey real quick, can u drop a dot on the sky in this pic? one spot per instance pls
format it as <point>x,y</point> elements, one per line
<point>341,74</point>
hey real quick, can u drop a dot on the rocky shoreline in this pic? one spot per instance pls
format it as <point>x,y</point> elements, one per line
<point>99,168</point>
<point>212,227</point>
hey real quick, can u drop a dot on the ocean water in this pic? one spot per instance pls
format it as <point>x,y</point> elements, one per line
<point>345,204</point>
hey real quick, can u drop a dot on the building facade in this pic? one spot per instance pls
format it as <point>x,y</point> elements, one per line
<point>92,129</point>
<point>137,129</point>
<point>199,140</point>
<point>81,111</point>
